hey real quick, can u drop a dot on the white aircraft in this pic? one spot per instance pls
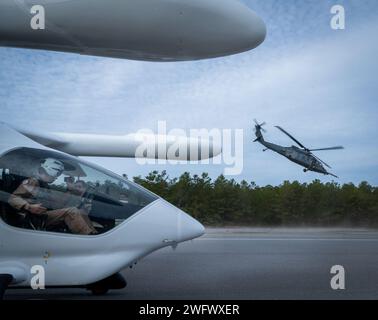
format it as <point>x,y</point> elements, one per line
<point>82,223</point>
<point>155,30</point>
<point>129,221</point>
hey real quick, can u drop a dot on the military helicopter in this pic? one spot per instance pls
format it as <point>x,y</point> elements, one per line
<point>302,156</point>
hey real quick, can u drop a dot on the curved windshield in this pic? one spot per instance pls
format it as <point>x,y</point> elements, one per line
<point>48,191</point>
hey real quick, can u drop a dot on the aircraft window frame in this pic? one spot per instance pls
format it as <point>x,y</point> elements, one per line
<point>105,210</point>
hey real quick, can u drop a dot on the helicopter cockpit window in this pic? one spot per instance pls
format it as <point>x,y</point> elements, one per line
<point>48,191</point>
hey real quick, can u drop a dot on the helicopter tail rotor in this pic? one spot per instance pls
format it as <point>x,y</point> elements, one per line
<point>258,129</point>
<point>259,126</point>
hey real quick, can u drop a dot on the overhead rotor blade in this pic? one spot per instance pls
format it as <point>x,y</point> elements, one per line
<point>291,137</point>
<point>330,148</point>
<point>133,145</point>
<point>327,165</point>
<point>333,175</point>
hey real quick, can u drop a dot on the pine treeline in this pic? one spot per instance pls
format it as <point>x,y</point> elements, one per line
<point>228,202</point>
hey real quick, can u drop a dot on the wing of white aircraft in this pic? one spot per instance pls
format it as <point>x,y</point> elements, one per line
<point>164,30</point>
<point>135,145</point>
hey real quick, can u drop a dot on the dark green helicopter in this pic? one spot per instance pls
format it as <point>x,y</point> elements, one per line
<point>302,156</point>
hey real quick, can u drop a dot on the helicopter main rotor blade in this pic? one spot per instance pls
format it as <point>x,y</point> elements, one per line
<point>327,165</point>
<point>331,148</point>
<point>291,137</point>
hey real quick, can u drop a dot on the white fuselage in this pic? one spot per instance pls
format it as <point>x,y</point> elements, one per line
<point>70,259</point>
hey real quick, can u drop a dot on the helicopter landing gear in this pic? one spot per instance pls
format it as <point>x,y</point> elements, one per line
<point>5,281</point>
<point>102,287</point>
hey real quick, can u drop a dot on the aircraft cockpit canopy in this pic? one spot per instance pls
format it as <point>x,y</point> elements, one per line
<point>102,199</point>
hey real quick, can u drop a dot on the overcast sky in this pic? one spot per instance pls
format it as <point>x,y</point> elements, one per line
<point>319,84</point>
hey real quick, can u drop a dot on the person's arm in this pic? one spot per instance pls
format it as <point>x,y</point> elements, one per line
<point>18,199</point>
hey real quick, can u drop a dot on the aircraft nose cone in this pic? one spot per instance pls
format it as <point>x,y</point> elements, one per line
<point>225,27</point>
<point>161,224</point>
<point>188,227</point>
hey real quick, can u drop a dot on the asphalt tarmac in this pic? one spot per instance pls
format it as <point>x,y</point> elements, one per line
<point>242,263</point>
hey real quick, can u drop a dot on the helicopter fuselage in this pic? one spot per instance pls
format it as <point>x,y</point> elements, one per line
<point>298,156</point>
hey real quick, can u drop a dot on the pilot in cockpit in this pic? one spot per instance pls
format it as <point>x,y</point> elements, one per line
<point>35,197</point>
<point>76,194</point>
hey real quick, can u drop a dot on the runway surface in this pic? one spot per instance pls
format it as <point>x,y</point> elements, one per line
<point>241,263</point>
